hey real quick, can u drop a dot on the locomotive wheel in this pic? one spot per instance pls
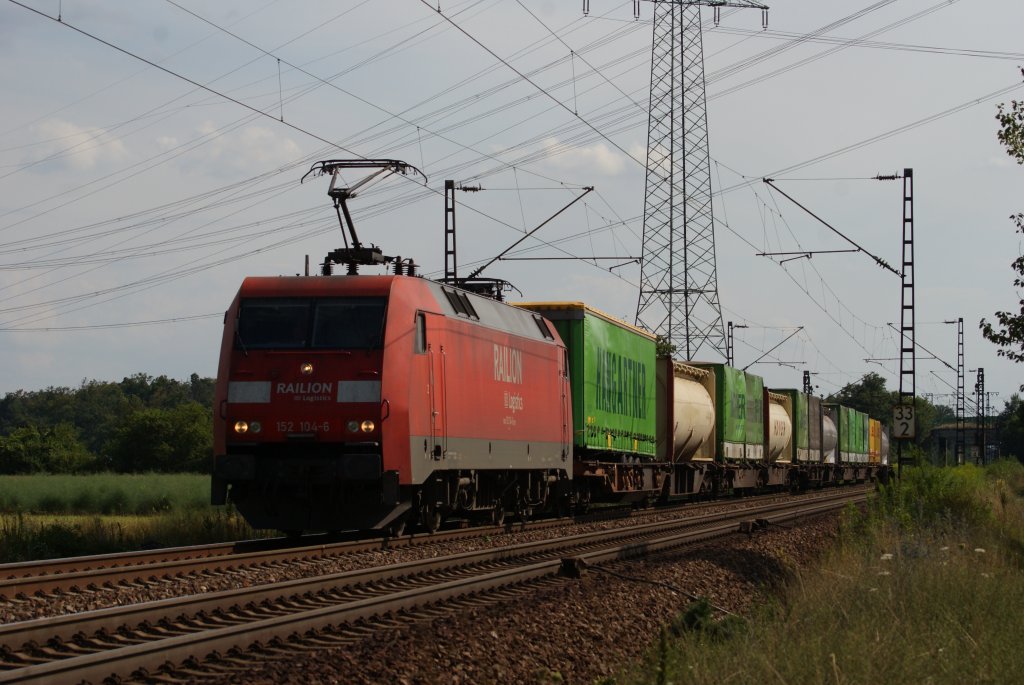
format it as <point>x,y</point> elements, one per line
<point>563,507</point>
<point>397,529</point>
<point>430,517</point>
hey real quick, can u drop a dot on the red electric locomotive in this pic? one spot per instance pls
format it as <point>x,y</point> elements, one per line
<point>358,402</point>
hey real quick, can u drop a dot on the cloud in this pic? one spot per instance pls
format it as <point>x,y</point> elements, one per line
<point>253,147</point>
<point>65,146</point>
<point>598,157</point>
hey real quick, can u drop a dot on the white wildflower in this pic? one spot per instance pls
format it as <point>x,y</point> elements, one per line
<point>886,557</point>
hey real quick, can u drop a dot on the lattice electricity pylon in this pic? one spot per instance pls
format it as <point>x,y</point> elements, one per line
<point>679,279</point>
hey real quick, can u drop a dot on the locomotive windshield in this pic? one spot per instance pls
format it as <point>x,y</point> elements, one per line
<point>349,323</point>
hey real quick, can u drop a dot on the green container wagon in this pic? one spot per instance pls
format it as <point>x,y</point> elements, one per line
<point>612,375</point>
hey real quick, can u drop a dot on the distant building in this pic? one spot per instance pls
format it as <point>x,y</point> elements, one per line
<point>942,448</point>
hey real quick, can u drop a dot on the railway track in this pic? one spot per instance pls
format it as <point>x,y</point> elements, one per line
<point>93,573</point>
<point>177,636</point>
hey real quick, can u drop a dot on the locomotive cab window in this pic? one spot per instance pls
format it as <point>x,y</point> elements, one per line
<point>281,324</point>
<point>349,323</point>
<point>300,323</point>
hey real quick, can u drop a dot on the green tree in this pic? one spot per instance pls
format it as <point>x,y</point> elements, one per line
<point>167,440</point>
<point>1008,330</point>
<point>52,450</point>
<point>663,347</point>
<point>1010,426</point>
<point>870,396</point>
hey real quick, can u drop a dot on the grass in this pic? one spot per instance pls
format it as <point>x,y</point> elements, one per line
<point>25,537</point>
<point>924,587</point>
<point>105,493</point>
<point>44,516</point>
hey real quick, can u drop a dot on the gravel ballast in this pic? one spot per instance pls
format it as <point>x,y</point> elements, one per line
<point>573,631</point>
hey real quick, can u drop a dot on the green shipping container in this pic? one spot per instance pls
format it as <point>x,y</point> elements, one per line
<point>755,416</point>
<point>862,436</point>
<point>612,376</point>
<point>853,435</point>
<point>844,427</point>
<point>730,410</point>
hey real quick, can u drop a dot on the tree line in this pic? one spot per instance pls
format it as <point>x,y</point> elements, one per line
<point>870,396</point>
<point>139,424</point>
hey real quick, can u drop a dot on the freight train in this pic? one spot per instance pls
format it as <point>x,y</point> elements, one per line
<point>376,401</point>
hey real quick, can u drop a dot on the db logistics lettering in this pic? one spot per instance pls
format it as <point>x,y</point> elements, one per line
<point>621,385</point>
<point>513,401</point>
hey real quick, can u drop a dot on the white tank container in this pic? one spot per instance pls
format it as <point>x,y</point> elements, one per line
<point>693,418</point>
<point>829,439</point>
<point>780,430</point>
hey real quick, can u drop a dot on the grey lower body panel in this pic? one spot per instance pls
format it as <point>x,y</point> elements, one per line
<point>478,454</point>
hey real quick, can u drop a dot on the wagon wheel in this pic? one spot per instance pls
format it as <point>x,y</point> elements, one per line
<point>705,490</point>
<point>498,513</point>
<point>762,479</point>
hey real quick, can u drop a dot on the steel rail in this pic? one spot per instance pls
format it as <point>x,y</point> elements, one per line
<point>155,653</point>
<point>106,570</point>
<point>140,569</point>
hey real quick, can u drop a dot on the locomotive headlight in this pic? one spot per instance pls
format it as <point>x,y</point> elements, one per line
<point>367,426</point>
<point>305,368</point>
<point>255,427</point>
<point>353,426</point>
<point>241,427</point>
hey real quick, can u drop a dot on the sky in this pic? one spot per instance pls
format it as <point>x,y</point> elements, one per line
<point>151,155</point>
